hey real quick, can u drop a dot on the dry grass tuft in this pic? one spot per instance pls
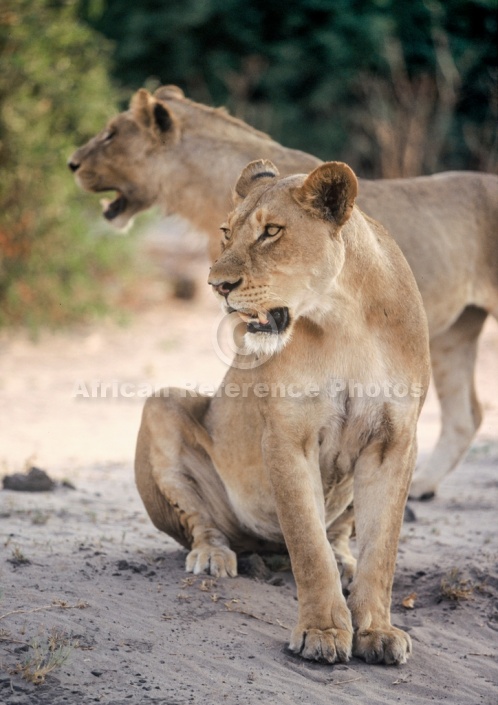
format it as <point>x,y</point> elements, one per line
<point>43,658</point>
<point>18,558</point>
<point>454,587</point>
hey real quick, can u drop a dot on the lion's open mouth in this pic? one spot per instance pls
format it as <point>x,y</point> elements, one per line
<point>111,209</point>
<point>274,321</point>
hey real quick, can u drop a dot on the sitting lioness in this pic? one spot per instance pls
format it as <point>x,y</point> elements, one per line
<point>313,413</point>
<point>160,152</point>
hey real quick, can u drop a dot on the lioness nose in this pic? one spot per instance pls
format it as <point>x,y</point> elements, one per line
<point>224,288</point>
<point>74,166</point>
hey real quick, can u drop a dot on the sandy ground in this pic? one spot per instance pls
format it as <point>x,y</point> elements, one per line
<point>83,569</point>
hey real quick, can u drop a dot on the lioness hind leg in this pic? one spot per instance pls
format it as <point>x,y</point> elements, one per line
<point>380,492</point>
<point>178,483</point>
<point>338,535</point>
<point>453,356</point>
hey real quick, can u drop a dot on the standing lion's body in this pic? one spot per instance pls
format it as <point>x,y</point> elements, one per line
<point>185,157</point>
<point>319,408</point>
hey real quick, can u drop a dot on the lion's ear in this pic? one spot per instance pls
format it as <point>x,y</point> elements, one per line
<point>169,92</point>
<point>150,113</point>
<point>329,191</point>
<point>141,108</point>
<point>254,174</point>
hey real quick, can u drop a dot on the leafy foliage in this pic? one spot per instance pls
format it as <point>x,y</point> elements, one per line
<point>54,94</point>
<point>394,88</point>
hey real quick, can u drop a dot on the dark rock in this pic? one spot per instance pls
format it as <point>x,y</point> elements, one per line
<point>253,566</point>
<point>35,480</point>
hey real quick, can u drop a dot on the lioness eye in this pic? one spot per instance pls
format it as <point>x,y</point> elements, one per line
<point>226,232</point>
<point>270,231</point>
<point>108,137</point>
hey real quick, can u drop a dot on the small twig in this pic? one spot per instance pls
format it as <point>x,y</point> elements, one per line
<point>60,604</point>
<point>349,680</point>
<point>318,676</point>
<point>278,623</point>
<point>35,609</point>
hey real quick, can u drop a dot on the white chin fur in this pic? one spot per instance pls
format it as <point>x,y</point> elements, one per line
<point>122,223</point>
<point>265,343</point>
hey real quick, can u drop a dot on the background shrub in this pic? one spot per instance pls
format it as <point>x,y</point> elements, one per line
<point>54,94</point>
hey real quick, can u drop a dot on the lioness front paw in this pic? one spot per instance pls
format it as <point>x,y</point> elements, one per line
<point>218,561</point>
<point>391,646</point>
<point>329,645</point>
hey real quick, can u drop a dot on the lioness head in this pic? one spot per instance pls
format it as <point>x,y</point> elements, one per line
<point>125,156</point>
<point>283,249</point>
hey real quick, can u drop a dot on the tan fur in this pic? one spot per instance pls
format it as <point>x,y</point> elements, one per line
<point>245,471</point>
<point>446,226</point>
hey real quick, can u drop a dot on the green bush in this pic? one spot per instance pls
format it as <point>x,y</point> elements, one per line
<point>54,94</point>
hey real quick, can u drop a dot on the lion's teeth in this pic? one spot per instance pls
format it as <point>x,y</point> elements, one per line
<point>105,203</point>
<point>245,317</point>
<point>254,317</point>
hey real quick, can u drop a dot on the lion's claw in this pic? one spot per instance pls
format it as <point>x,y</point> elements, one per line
<point>218,561</point>
<point>329,645</point>
<point>390,646</point>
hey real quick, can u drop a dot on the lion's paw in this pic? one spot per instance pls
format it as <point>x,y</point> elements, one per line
<point>329,645</point>
<point>422,488</point>
<point>390,646</point>
<point>347,571</point>
<point>218,561</point>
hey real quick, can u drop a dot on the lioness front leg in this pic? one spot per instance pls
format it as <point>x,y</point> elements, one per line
<point>381,482</point>
<point>323,631</point>
<point>178,483</point>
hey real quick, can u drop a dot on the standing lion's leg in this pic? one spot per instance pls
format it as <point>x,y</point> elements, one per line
<point>179,485</point>
<point>453,356</point>
<point>381,480</point>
